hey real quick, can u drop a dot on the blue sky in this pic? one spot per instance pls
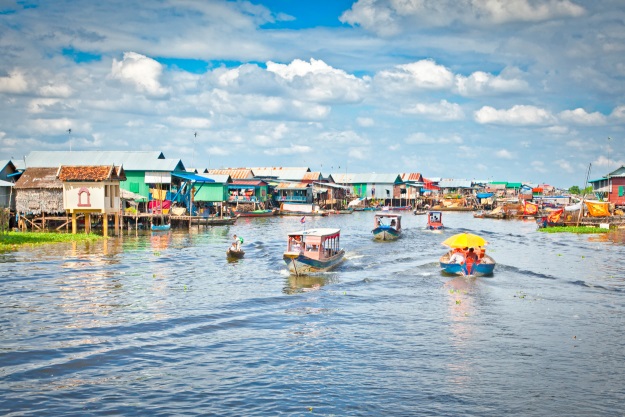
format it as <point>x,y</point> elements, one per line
<point>517,90</point>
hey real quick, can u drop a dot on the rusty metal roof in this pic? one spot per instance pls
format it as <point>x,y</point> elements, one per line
<point>91,173</point>
<point>292,186</point>
<point>34,178</point>
<point>312,176</point>
<point>411,176</point>
<point>235,173</point>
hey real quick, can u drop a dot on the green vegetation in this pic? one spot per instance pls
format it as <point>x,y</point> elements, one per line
<point>573,229</point>
<point>12,240</point>
<point>577,191</point>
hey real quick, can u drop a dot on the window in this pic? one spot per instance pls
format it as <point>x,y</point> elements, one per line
<point>621,191</point>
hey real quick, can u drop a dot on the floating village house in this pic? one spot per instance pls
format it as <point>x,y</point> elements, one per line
<point>244,192</point>
<point>384,187</point>
<point>91,190</point>
<point>148,173</point>
<point>38,198</point>
<point>611,187</point>
<point>7,179</point>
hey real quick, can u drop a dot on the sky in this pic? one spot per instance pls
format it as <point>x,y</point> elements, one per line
<point>501,90</point>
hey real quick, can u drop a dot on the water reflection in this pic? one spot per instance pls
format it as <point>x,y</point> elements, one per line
<point>305,283</point>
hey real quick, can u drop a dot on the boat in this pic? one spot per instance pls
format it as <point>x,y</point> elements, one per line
<point>214,221</point>
<point>235,253</point>
<point>400,208</point>
<point>297,209</point>
<point>456,261</point>
<point>419,212</point>
<point>484,266</point>
<point>387,226</point>
<point>435,220</point>
<point>256,213</point>
<point>160,227</point>
<point>313,250</point>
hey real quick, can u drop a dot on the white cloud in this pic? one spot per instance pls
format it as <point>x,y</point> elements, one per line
<point>423,139</point>
<point>581,117</point>
<point>365,121</point>
<point>539,166</point>
<point>391,17</point>
<point>565,165</point>
<point>141,72</point>
<point>14,83</point>
<point>59,126</point>
<point>361,154</point>
<point>189,122</point>
<point>618,114</point>
<point>442,110</point>
<point>423,75</point>
<point>56,90</point>
<point>504,154</point>
<point>317,81</point>
<point>290,150</point>
<point>481,83</point>
<point>518,115</point>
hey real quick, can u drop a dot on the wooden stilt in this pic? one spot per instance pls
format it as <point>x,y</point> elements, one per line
<point>105,224</point>
<point>74,223</point>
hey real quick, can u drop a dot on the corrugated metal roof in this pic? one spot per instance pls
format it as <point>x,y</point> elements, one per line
<point>366,178</point>
<point>34,178</point>
<point>281,173</point>
<point>312,176</point>
<point>4,163</point>
<point>91,173</point>
<point>5,183</point>
<point>234,173</point>
<point>412,176</point>
<point>250,182</point>
<point>292,186</point>
<point>131,160</point>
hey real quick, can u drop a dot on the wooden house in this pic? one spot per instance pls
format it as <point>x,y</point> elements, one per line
<point>611,187</point>
<point>7,178</point>
<point>382,187</point>
<point>280,174</point>
<point>38,193</point>
<point>91,190</point>
<point>145,170</point>
<point>293,192</point>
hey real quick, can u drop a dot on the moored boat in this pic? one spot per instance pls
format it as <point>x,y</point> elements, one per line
<point>435,220</point>
<point>160,227</point>
<point>314,250</point>
<point>387,226</point>
<point>256,213</point>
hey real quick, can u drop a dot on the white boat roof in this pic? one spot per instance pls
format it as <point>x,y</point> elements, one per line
<point>387,215</point>
<point>317,232</point>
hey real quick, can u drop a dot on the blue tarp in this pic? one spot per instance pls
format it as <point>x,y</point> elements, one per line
<point>484,195</point>
<point>191,177</point>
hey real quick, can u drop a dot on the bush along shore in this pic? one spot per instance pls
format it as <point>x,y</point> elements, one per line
<point>13,240</point>
<point>573,229</point>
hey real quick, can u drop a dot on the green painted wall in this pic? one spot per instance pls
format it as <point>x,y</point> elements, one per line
<point>135,182</point>
<point>212,192</point>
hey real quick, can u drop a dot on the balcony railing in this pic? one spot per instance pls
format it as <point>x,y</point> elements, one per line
<point>243,198</point>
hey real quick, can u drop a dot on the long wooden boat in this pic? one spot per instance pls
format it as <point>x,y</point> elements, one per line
<point>387,226</point>
<point>435,220</point>
<point>485,266</point>
<point>233,253</point>
<point>214,221</point>
<point>256,213</point>
<point>314,250</point>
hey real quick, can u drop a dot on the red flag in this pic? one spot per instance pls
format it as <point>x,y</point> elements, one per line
<point>303,219</point>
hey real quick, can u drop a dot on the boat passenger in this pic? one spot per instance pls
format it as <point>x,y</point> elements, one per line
<point>393,223</point>
<point>236,243</point>
<point>472,256</point>
<point>457,256</point>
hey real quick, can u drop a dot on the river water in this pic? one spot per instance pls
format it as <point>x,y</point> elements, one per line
<point>163,324</point>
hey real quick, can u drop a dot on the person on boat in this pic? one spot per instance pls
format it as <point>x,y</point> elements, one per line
<point>472,256</point>
<point>457,256</point>
<point>296,246</point>
<point>236,243</point>
<point>393,223</point>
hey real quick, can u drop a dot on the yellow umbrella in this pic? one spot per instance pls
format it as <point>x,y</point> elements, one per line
<point>465,240</point>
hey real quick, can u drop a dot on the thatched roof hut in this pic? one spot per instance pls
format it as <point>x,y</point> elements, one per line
<point>39,191</point>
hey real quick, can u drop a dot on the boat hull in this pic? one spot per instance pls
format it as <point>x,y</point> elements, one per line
<point>485,267</point>
<point>255,213</point>
<point>300,264</point>
<point>235,253</point>
<point>160,227</point>
<point>385,233</point>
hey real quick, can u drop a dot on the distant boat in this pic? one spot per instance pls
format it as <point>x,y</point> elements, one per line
<point>314,250</point>
<point>256,213</point>
<point>214,221</point>
<point>435,220</point>
<point>387,226</point>
<point>160,227</point>
<point>419,212</point>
